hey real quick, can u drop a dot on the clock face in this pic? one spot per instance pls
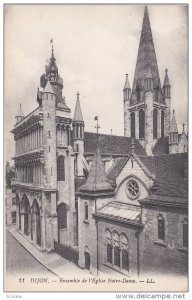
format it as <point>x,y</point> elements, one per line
<point>132,189</point>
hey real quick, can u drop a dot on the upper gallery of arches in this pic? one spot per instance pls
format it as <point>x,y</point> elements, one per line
<point>146,60</point>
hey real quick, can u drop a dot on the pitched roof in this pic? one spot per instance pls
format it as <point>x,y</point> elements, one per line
<point>146,60</point>
<point>165,200</point>
<point>116,168</point>
<point>111,144</point>
<point>97,181</point>
<point>171,173</point>
<point>120,212</point>
<point>48,88</point>
<point>78,113</point>
<point>161,146</point>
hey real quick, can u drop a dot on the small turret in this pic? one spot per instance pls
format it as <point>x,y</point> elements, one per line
<point>127,89</point>
<point>166,86</point>
<point>173,135</point>
<point>78,123</point>
<point>20,115</point>
<point>78,138</point>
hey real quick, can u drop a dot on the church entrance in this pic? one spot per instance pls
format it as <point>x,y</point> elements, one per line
<point>87,261</point>
<point>62,223</point>
<point>36,223</point>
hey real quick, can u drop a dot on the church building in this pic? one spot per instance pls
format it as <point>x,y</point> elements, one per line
<point>119,202</point>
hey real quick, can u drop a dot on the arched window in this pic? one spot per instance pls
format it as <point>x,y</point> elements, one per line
<point>81,132</point>
<point>62,216</point>
<point>141,124</point>
<point>77,130</point>
<point>60,168</point>
<point>68,136</point>
<point>109,253</point>
<point>161,227</point>
<point>133,125</point>
<point>117,256</point>
<point>125,252</point>
<point>155,123</point>
<point>162,123</point>
<point>86,214</point>
<point>185,233</point>
<point>87,258</point>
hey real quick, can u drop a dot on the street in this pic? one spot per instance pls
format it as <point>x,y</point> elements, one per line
<point>19,261</point>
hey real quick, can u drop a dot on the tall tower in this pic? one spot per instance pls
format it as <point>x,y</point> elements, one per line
<point>50,165</point>
<point>173,136</point>
<point>126,100</point>
<point>167,97</point>
<point>78,137</point>
<point>146,112</point>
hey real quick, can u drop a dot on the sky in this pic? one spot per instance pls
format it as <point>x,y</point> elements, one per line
<point>95,46</point>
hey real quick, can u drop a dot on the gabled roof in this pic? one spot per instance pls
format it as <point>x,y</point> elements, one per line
<point>111,144</point>
<point>78,116</point>
<point>97,182</point>
<point>161,146</point>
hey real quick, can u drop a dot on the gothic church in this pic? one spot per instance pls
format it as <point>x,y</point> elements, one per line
<point>119,202</point>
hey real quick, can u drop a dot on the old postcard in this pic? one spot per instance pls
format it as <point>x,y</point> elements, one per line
<point>96,147</point>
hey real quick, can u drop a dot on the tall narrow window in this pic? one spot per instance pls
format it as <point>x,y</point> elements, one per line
<point>162,123</point>
<point>109,253</point>
<point>133,125</point>
<point>86,215</point>
<point>125,260</point>
<point>161,227</point>
<point>155,123</point>
<point>62,216</point>
<point>60,168</point>
<point>117,256</point>
<point>141,124</point>
<point>185,233</point>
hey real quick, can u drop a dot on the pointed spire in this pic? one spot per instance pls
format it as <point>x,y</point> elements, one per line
<point>78,117</point>
<point>20,112</point>
<point>173,126</point>
<point>97,182</point>
<point>166,80</point>
<point>146,57</point>
<point>127,85</point>
<point>48,88</point>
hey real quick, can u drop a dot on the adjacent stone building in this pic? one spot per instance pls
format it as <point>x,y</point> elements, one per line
<point>119,201</point>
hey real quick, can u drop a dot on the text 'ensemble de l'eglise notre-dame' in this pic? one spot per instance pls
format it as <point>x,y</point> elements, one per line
<point>118,204</point>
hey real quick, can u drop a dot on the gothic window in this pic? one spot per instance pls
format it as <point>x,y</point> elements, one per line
<point>155,123</point>
<point>117,256</point>
<point>109,253</point>
<point>162,123</point>
<point>132,189</point>
<point>77,129</point>
<point>68,136</point>
<point>161,227</point>
<point>62,216</point>
<point>141,124</point>
<point>125,260</point>
<point>81,134</point>
<point>60,168</point>
<point>185,233</point>
<point>133,125</point>
<point>86,215</point>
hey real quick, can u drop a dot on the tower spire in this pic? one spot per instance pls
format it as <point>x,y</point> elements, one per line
<point>146,59</point>
<point>173,127</point>
<point>78,116</point>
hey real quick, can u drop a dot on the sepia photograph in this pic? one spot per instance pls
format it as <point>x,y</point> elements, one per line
<point>96,147</point>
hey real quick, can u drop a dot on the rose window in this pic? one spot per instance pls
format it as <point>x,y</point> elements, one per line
<point>132,189</point>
